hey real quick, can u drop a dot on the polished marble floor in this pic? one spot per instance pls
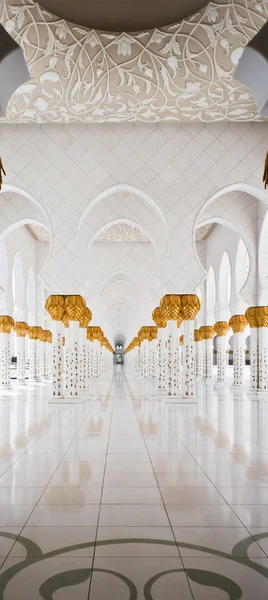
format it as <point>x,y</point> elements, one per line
<point>122,496</point>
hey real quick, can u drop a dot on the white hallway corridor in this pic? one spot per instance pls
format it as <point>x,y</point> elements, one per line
<point>125,497</point>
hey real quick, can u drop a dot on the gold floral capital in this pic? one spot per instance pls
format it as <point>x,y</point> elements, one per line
<point>257,316</point>
<point>159,318</point>
<point>74,307</point>
<point>197,335</point>
<point>6,324</point>
<point>34,332</point>
<point>86,317</point>
<point>90,336</point>
<point>179,319</point>
<point>97,333</point>
<point>55,307</point>
<point>65,320</point>
<point>207,332</point>
<point>170,305</point>
<point>238,323</point>
<point>21,328</point>
<point>221,328</point>
<point>153,333</point>
<point>190,305</point>
<point>48,335</point>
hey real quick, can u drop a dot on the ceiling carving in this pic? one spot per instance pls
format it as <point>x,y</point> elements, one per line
<point>203,232</point>
<point>39,233</point>
<point>179,72</point>
<point>121,232</point>
<point>123,15</point>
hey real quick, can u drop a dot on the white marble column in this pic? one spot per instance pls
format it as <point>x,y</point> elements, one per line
<point>74,307</point>
<point>257,317</point>
<point>41,356</point>
<point>83,359</point>
<point>170,306</point>
<point>90,351</point>
<point>6,325</point>
<point>47,347</point>
<point>21,328</point>
<point>190,305</point>
<point>198,353</point>
<point>207,332</point>
<point>221,328</point>
<point>33,353</point>
<point>55,305</point>
<point>238,324</point>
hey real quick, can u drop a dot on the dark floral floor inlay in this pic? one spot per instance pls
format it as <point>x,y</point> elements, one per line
<point>73,577</point>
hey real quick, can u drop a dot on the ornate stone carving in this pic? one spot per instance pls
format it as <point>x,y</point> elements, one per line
<point>159,318</point>
<point>6,324</point>
<point>21,328</point>
<point>207,332</point>
<point>182,71</point>
<point>121,232</point>
<point>74,307</point>
<point>238,323</point>
<point>170,305</point>
<point>86,317</point>
<point>55,307</point>
<point>221,328</point>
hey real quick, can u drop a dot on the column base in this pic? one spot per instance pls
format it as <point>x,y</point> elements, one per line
<point>159,392</point>
<point>258,393</point>
<point>65,400</point>
<point>179,400</point>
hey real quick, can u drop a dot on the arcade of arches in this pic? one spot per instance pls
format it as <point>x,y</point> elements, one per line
<point>133,309</point>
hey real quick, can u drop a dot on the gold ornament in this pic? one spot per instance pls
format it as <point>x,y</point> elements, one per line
<point>86,317</point>
<point>238,323</point>
<point>159,318</point>
<point>207,332</point>
<point>21,328</point>
<point>190,305</point>
<point>197,335</point>
<point>6,324</point>
<point>136,342</point>
<point>42,335</point>
<point>55,307</point>
<point>221,328</point>
<point>153,333</point>
<point>181,340</point>
<point>63,341</point>
<point>74,307</point>
<point>170,305</point>
<point>34,332</point>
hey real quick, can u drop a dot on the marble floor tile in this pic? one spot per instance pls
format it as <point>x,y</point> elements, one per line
<point>202,515</point>
<point>138,515</point>
<point>191,495</point>
<point>136,542</point>
<point>67,541</point>
<point>208,541</point>
<point>129,480</point>
<point>64,515</point>
<point>183,480</point>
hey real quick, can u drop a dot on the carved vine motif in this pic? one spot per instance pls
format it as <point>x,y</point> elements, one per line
<point>183,71</point>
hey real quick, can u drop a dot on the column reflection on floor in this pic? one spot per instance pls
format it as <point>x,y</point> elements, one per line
<point>124,496</point>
